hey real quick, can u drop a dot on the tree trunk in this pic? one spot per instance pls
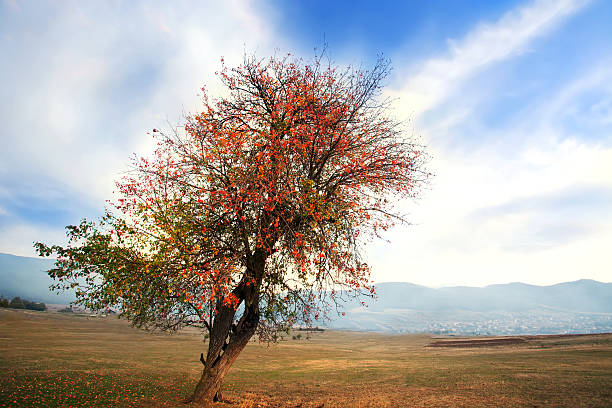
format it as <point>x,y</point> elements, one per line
<point>221,352</point>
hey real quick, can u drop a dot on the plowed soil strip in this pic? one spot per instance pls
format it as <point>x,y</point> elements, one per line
<point>505,341</point>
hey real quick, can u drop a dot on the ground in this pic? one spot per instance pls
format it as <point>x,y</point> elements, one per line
<point>58,360</point>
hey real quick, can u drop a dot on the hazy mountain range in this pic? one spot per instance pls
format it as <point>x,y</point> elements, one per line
<point>583,306</point>
<point>514,308</point>
<point>578,296</point>
<point>27,278</point>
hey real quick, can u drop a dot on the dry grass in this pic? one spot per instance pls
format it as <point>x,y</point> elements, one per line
<point>52,360</point>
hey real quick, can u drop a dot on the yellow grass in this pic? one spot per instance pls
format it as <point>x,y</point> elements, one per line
<point>52,359</point>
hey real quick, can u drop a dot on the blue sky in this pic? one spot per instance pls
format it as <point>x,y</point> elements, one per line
<point>512,98</point>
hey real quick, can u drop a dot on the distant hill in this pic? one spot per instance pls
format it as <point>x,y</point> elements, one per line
<point>27,278</point>
<point>583,306</point>
<point>579,296</point>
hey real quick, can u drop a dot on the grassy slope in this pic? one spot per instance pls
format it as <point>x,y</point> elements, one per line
<point>51,359</point>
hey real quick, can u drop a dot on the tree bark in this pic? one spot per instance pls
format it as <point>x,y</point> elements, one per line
<point>225,344</point>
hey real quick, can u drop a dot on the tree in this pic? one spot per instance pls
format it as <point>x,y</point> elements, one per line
<point>250,217</point>
<point>39,306</point>
<point>17,303</point>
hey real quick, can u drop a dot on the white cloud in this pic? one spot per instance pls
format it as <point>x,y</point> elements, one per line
<point>86,85</point>
<point>484,45</point>
<point>68,76</point>
<point>540,244</point>
<point>18,238</point>
<point>86,81</point>
<point>585,103</point>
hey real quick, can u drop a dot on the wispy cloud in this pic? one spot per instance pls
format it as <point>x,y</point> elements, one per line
<point>486,44</point>
<point>504,203</point>
<point>583,106</point>
<point>82,83</point>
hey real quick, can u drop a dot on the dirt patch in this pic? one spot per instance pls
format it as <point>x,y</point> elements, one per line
<point>564,336</point>
<point>473,342</point>
<point>506,340</point>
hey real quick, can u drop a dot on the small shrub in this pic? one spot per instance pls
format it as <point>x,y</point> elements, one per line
<point>41,307</point>
<point>17,303</point>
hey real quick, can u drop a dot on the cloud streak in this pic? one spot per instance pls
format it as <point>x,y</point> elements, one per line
<point>85,81</point>
<point>504,205</point>
<point>486,44</point>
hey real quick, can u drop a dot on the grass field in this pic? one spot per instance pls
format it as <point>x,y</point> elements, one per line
<point>57,360</point>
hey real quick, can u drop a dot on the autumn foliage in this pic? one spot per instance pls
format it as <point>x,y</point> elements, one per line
<point>251,216</point>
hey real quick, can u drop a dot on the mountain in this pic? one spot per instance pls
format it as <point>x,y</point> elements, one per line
<point>579,296</point>
<point>27,278</point>
<point>583,306</point>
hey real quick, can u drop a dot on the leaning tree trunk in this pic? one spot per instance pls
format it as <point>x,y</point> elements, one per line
<point>226,342</point>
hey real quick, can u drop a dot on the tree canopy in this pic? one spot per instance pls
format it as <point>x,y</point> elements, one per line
<point>252,216</point>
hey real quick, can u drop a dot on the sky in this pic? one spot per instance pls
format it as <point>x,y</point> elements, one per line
<point>512,99</point>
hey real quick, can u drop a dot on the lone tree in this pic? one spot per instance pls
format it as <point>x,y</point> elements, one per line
<point>251,217</point>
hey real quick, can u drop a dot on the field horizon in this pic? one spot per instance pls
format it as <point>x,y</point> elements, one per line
<point>581,306</point>
<point>57,360</point>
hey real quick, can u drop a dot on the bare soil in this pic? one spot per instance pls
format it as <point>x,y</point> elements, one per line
<point>506,340</point>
